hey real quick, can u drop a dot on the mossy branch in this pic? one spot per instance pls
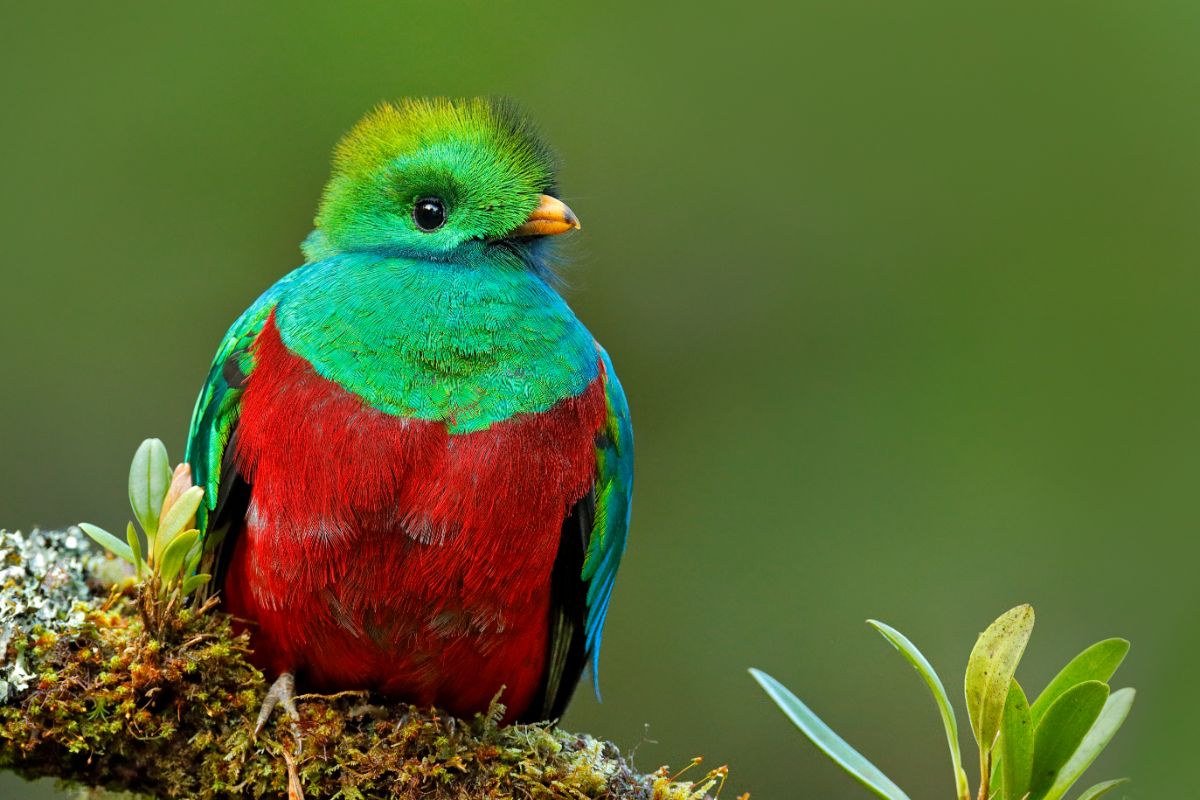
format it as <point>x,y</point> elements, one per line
<point>88,696</point>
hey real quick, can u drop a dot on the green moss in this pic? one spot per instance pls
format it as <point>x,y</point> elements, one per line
<point>172,717</point>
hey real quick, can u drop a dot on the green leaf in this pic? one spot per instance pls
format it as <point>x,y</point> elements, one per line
<point>193,559</point>
<point>930,676</point>
<point>177,519</point>
<point>1102,788</point>
<point>194,582</point>
<point>1016,744</point>
<point>829,742</point>
<point>1097,663</point>
<point>1061,731</point>
<point>1116,709</point>
<point>109,542</point>
<point>149,477</point>
<point>990,670</point>
<point>174,555</point>
<point>135,548</point>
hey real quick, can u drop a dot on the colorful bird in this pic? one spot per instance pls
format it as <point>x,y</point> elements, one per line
<point>418,462</point>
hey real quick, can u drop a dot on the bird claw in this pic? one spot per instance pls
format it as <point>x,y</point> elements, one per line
<point>282,693</point>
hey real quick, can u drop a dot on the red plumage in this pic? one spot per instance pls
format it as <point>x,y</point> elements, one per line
<point>386,553</point>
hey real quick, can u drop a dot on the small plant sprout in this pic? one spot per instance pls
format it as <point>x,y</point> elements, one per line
<point>1027,751</point>
<point>165,555</point>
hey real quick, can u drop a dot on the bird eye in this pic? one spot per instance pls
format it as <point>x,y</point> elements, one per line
<point>429,214</point>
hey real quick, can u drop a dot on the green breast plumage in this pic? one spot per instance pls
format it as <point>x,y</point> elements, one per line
<point>435,340</point>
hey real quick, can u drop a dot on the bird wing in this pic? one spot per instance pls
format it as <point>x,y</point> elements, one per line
<point>593,541</point>
<point>214,427</point>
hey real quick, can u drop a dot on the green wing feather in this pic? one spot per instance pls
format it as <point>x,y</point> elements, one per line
<point>610,528</point>
<point>219,403</point>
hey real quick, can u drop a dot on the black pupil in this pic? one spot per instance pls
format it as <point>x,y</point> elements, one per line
<point>429,214</point>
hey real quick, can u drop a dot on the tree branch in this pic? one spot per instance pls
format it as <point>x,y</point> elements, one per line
<point>88,696</point>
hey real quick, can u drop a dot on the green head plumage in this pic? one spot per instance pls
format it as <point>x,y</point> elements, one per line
<point>426,178</point>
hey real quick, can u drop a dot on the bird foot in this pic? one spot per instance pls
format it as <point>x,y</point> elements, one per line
<point>282,693</point>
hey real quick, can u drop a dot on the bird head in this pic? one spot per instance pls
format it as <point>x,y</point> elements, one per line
<point>439,179</point>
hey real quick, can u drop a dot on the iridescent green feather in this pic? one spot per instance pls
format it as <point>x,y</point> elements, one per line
<point>468,344</point>
<point>480,156</point>
<point>218,405</point>
<point>614,497</point>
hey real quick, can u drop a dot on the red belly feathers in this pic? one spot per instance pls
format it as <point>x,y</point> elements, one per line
<point>388,554</point>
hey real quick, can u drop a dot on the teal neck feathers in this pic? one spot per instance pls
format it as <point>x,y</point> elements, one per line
<point>468,344</point>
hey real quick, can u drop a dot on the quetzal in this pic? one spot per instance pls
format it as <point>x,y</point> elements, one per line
<point>418,462</point>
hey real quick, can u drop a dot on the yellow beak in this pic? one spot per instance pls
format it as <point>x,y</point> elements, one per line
<point>550,218</point>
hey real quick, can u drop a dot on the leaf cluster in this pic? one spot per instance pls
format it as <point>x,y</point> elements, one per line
<point>167,552</point>
<point>1027,751</point>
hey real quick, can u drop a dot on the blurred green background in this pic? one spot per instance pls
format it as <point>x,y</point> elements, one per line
<point>904,297</point>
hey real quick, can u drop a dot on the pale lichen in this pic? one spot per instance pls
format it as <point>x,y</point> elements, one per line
<point>43,585</point>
